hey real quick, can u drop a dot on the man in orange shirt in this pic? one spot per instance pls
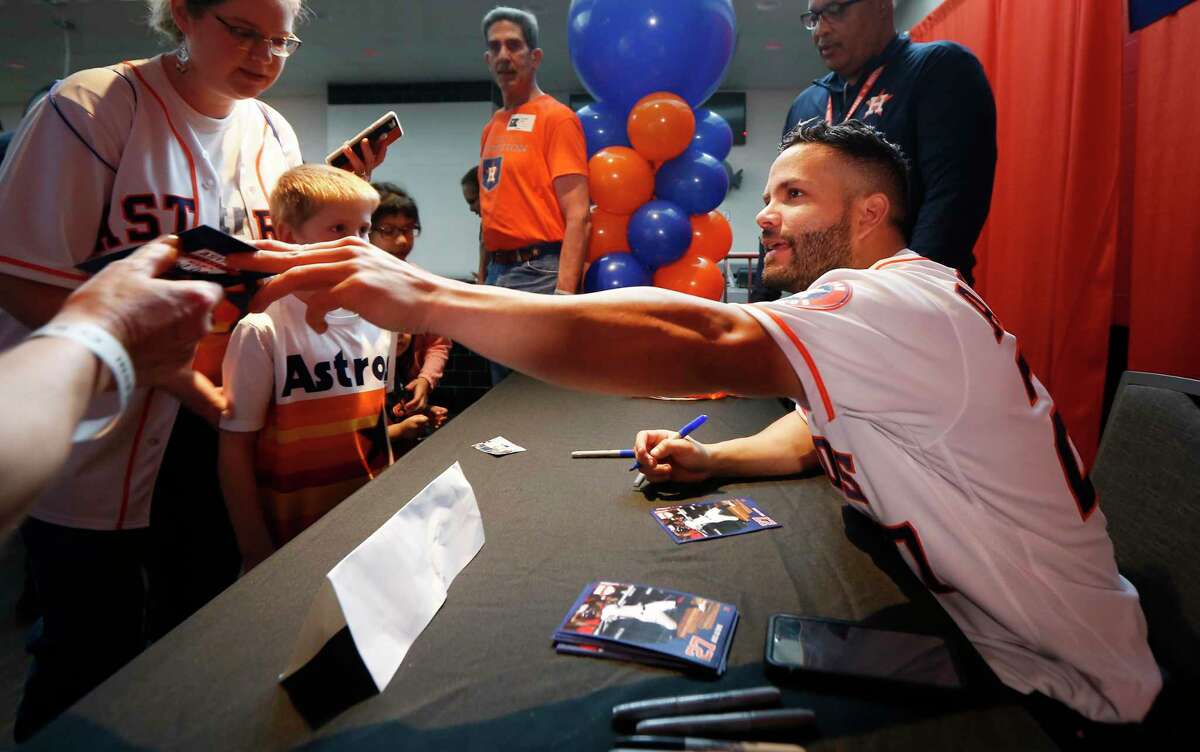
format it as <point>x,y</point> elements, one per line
<point>532,172</point>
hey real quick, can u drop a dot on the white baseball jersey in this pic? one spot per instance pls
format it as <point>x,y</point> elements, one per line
<point>927,418</point>
<point>112,158</point>
<point>318,403</point>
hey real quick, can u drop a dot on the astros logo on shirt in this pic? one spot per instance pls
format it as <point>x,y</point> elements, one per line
<point>491,172</point>
<point>824,297</point>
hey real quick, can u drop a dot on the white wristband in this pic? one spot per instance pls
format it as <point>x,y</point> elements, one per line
<point>110,352</point>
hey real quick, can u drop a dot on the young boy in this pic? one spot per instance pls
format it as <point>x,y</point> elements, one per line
<point>306,424</point>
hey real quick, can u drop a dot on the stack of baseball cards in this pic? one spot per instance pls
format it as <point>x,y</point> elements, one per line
<point>649,625</point>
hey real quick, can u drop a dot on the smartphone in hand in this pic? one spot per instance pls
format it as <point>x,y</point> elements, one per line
<point>385,130</point>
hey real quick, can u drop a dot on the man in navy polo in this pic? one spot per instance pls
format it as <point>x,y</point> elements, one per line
<point>932,100</point>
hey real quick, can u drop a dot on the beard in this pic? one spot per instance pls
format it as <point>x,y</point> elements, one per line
<point>812,254</point>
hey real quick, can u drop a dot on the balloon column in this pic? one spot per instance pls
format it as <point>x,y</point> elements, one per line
<point>655,160</point>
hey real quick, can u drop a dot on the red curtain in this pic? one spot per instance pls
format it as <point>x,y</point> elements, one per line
<point>1164,242</point>
<point>1048,250</point>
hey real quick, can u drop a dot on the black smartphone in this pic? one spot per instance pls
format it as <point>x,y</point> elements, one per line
<point>832,648</point>
<point>385,130</point>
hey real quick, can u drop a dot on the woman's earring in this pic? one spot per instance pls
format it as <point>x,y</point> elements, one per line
<point>183,58</point>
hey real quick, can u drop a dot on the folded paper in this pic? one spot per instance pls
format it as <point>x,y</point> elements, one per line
<point>383,594</point>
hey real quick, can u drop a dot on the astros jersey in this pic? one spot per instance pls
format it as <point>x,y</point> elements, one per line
<point>112,158</point>
<point>522,151</point>
<point>927,418</point>
<point>317,401</point>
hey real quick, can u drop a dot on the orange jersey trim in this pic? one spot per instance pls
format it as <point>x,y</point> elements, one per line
<point>889,262</point>
<point>302,414</point>
<point>812,366</point>
<point>43,269</point>
<point>137,440</point>
<point>186,151</point>
<point>262,145</point>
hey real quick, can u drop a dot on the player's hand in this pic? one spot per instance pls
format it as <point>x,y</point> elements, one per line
<point>372,158</point>
<point>159,322</point>
<point>664,456</point>
<point>348,273</point>
<point>419,388</point>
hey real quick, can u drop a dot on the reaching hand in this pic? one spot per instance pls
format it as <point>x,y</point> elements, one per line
<point>420,395</point>
<point>158,321</point>
<point>438,416</point>
<point>664,456</point>
<point>347,273</point>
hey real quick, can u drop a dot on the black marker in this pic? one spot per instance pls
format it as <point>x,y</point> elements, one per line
<point>691,742</point>
<point>755,697</point>
<point>724,724</point>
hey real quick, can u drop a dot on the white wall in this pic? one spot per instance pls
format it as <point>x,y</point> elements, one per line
<point>307,117</point>
<point>909,12</point>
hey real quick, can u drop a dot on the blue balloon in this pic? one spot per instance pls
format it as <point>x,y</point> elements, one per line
<point>694,180</point>
<point>659,233</point>
<point>713,135</point>
<point>603,126</point>
<point>623,50</point>
<point>616,270</point>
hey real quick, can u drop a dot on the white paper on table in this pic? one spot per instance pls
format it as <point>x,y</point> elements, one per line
<point>389,588</point>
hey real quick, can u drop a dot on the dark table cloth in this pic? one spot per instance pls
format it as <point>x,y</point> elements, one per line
<point>484,675</point>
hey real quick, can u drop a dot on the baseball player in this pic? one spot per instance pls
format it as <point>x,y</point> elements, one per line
<point>910,394</point>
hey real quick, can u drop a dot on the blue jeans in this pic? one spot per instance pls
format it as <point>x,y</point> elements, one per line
<point>538,275</point>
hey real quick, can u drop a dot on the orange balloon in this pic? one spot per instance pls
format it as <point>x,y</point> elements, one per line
<point>619,180</point>
<point>712,237</point>
<point>661,126</point>
<point>609,234</point>
<point>693,275</point>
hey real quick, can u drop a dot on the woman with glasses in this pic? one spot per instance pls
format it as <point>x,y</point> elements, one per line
<point>112,158</point>
<point>420,359</point>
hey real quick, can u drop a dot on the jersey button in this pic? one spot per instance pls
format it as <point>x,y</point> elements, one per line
<point>208,184</point>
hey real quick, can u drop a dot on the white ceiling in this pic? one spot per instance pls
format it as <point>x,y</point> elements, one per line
<point>365,41</point>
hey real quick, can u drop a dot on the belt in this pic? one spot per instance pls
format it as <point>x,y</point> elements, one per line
<point>521,255</point>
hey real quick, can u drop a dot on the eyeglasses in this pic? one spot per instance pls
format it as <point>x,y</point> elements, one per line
<point>247,38</point>
<point>391,231</point>
<point>832,12</point>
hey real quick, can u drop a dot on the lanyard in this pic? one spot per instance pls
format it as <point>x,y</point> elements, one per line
<point>866,88</point>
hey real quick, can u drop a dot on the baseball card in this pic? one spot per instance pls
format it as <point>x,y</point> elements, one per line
<point>202,255</point>
<point>712,518</point>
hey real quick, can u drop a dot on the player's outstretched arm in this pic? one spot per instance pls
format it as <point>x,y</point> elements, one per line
<point>47,382</point>
<point>632,341</point>
<point>783,448</point>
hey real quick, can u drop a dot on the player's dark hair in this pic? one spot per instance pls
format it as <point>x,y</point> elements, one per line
<point>868,149</point>
<point>471,177</point>
<point>522,18</point>
<point>394,200</point>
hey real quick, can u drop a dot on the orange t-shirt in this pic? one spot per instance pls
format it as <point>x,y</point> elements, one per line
<point>521,152</point>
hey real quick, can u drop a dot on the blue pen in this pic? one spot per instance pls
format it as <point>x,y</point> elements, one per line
<point>683,432</point>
